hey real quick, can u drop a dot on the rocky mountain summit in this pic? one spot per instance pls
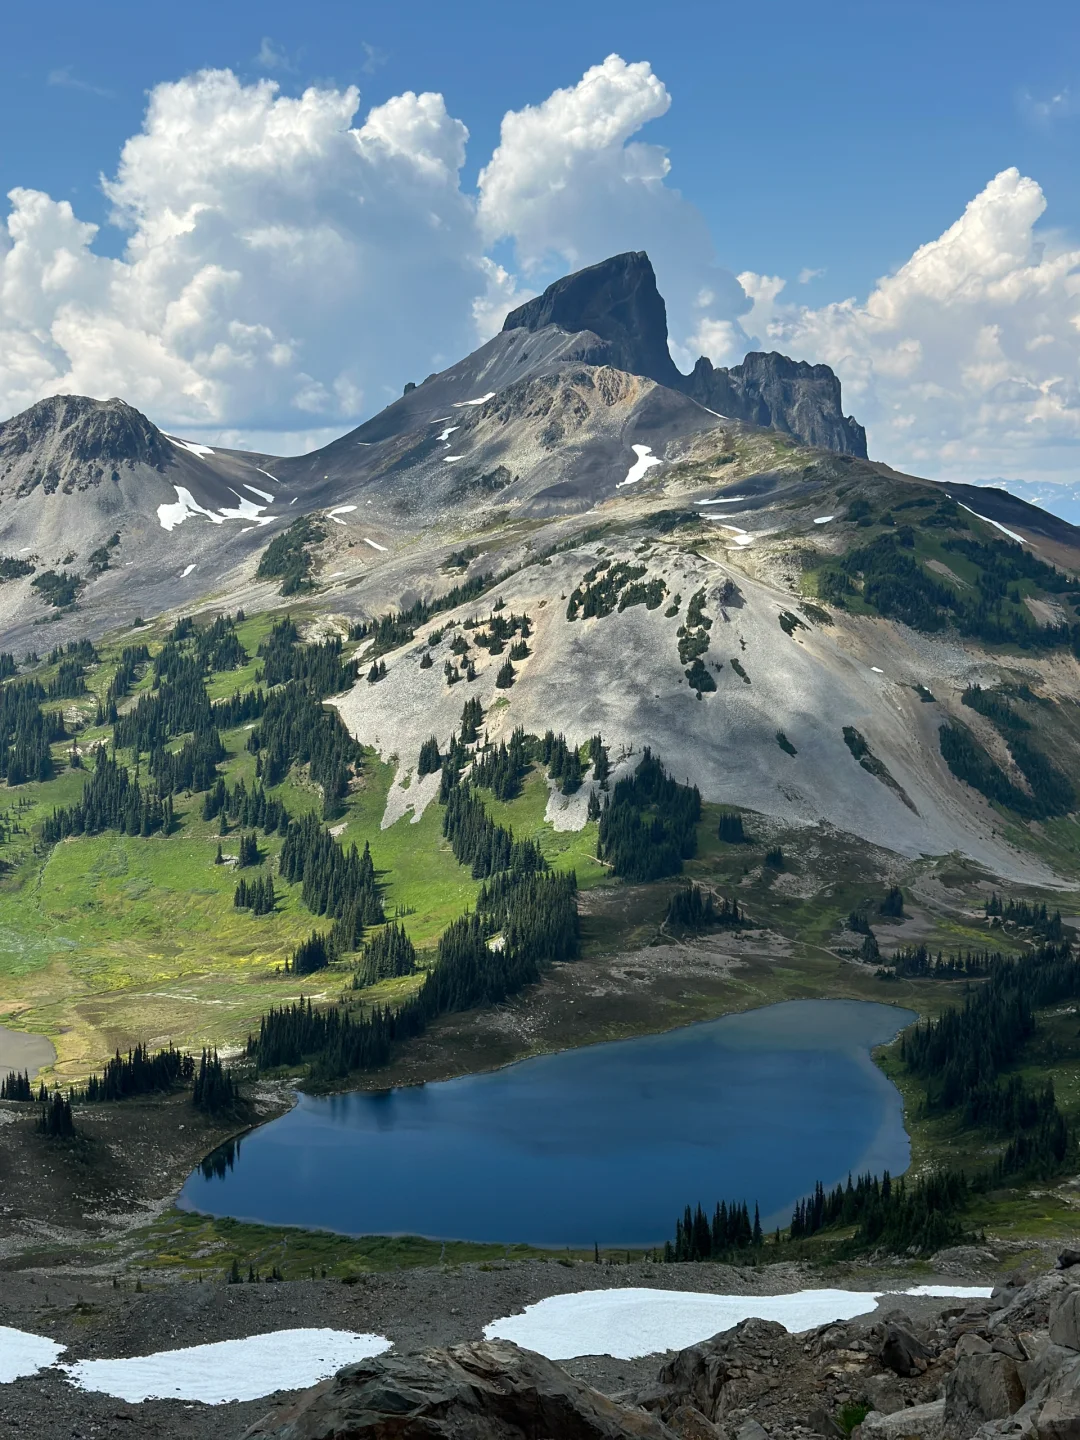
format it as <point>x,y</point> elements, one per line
<point>618,302</point>
<point>1004,1366</point>
<point>70,442</point>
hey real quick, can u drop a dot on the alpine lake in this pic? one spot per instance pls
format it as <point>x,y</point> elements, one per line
<point>604,1144</point>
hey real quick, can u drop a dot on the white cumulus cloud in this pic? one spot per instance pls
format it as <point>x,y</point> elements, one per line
<point>966,359</point>
<point>283,265</point>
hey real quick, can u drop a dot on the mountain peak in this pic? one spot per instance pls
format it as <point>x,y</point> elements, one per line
<point>70,442</point>
<point>616,300</point>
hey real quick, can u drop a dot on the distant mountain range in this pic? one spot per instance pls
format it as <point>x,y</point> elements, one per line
<point>1060,499</point>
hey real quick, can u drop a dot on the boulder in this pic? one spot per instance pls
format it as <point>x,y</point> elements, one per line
<point>751,1430</point>
<point>982,1387</point>
<point>902,1352</point>
<point>697,1376</point>
<point>1068,1258</point>
<point>1065,1318</point>
<point>918,1422</point>
<point>488,1390</point>
<point>688,1423</point>
<point>1059,1419</point>
<point>883,1394</point>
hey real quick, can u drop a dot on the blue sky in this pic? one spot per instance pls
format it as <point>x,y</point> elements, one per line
<point>835,138</point>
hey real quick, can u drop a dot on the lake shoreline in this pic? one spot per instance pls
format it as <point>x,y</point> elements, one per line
<point>511,1144</point>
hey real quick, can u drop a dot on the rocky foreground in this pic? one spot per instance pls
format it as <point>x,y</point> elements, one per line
<point>1006,1366</point>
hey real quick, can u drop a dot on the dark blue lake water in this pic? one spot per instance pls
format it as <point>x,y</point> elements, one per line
<point>606,1143</point>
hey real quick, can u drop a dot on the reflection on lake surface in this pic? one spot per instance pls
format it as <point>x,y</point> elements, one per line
<point>606,1143</point>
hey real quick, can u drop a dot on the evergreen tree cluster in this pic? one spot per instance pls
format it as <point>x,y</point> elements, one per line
<point>133,658</point>
<point>396,629</point>
<point>500,628</point>
<point>917,962</point>
<point>692,907</point>
<point>481,844</point>
<point>535,911</point>
<point>336,882</point>
<point>961,1054</point>
<point>501,768</point>
<point>296,729</point>
<point>287,558</point>
<point>310,955</point>
<point>256,895</point>
<point>56,1119</point>
<point>887,1212</point>
<point>248,852</point>
<point>178,706</point>
<point>139,1072</point>
<point>472,717</point>
<point>194,766</point>
<point>649,826</point>
<point>27,733</point>
<point>1026,916</point>
<point>111,800</point>
<point>563,762</point>
<point>16,1086</point>
<point>599,591</point>
<point>1052,792</point>
<point>989,608</point>
<point>319,668</point>
<point>68,682</point>
<point>430,760</point>
<point>729,1232</point>
<point>213,1088</point>
<point>388,955</point>
<point>246,807</point>
<point>731,829</point>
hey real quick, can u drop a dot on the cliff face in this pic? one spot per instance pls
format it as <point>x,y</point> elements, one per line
<point>618,302</point>
<point>780,394</point>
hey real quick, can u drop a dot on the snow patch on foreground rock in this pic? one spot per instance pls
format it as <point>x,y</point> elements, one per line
<point>627,1324</point>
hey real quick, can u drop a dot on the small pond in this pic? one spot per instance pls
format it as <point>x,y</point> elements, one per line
<point>605,1143</point>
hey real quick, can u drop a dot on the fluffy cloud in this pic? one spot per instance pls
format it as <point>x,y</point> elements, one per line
<point>290,263</point>
<point>282,264</point>
<point>570,185</point>
<point>966,360</point>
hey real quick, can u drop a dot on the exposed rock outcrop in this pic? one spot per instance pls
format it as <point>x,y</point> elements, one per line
<point>490,1390</point>
<point>70,442</point>
<point>618,302</point>
<point>780,394</point>
<point>1006,1366</point>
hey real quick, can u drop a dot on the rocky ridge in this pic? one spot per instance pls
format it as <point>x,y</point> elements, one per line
<point>618,302</point>
<point>1004,1366</point>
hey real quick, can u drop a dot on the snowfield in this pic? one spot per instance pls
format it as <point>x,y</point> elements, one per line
<point>627,1324</point>
<point>641,466</point>
<point>25,1354</point>
<point>213,1374</point>
<point>170,516</point>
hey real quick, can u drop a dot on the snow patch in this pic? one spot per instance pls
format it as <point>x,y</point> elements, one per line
<point>170,516</point>
<point>877,670</point>
<point>996,524</point>
<point>723,500</point>
<point>191,445</point>
<point>268,475</point>
<point>641,466</point>
<point>444,434</point>
<point>460,404</point>
<point>229,1369</point>
<point>262,494</point>
<point>449,459</point>
<point>24,1354</point>
<point>186,571</point>
<point>374,544</point>
<point>341,510</point>
<point>824,519</point>
<point>627,1324</point>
